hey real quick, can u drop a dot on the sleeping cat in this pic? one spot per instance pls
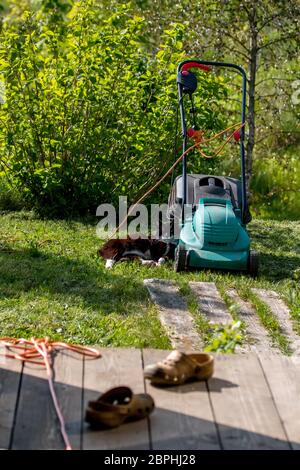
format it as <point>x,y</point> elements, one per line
<point>152,252</point>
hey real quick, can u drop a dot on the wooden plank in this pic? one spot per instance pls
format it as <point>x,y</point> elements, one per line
<point>210,302</point>
<point>69,388</point>
<point>258,340</point>
<point>282,313</point>
<point>283,376</point>
<point>10,376</point>
<point>37,426</point>
<point>116,367</point>
<point>243,405</point>
<point>183,416</point>
<point>174,314</point>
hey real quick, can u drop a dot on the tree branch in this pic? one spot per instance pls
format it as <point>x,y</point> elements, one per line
<point>276,41</point>
<point>226,33</point>
<point>237,40</point>
<point>237,52</point>
<point>269,20</point>
<point>275,79</point>
<point>274,132</point>
<point>243,6</point>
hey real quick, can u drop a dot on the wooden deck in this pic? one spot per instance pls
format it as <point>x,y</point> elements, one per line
<point>252,402</point>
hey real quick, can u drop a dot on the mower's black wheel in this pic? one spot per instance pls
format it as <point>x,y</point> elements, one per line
<point>180,263</point>
<point>253,263</point>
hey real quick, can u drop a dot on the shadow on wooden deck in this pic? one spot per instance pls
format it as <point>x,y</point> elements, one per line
<point>28,420</point>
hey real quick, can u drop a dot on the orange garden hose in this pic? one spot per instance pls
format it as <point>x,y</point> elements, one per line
<point>236,128</point>
<point>39,351</point>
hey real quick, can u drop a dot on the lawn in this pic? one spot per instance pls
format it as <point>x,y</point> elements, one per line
<point>52,283</point>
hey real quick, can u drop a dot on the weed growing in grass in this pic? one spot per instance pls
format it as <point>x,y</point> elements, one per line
<point>226,338</point>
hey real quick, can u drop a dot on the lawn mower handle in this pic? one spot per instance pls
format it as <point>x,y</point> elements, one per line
<point>189,65</point>
<point>207,66</point>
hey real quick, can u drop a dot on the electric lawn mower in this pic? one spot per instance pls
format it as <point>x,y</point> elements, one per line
<point>213,231</point>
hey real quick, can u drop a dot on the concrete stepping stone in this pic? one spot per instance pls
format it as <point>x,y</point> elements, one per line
<point>174,314</point>
<point>259,339</point>
<point>282,313</point>
<point>210,302</point>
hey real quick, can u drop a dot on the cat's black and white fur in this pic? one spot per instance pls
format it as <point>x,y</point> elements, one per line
<point>152,252</point>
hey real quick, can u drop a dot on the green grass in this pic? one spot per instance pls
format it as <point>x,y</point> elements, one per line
<point>52,283</point>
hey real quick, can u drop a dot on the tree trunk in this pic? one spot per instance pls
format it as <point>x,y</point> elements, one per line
<point>251,94</point>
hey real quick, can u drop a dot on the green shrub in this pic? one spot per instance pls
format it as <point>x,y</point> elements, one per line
<point>10,198</point>
<point>276,184</point>
<point>89,114</point>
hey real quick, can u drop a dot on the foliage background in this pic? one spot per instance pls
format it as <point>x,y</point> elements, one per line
<point>88,103</point>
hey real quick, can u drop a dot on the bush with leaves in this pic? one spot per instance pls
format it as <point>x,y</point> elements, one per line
<point>89,114</point>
